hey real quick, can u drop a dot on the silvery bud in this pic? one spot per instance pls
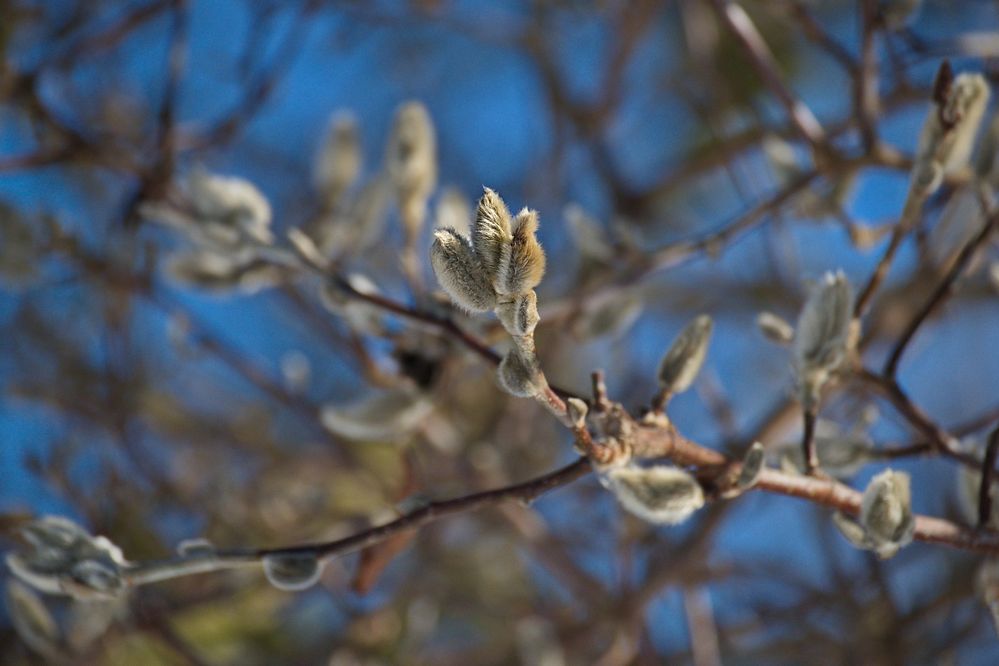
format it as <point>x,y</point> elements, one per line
<point>752,467</point>
<point>519,373</point>
<point>662,494</point>
<point>823,334</point>
<point>577,410</point>
<point>459,272</point>
<point>679,367</point>
<point>886,512</point>
<point>492,234</point>
<point>411,162</point>
<point>227,207</point>
<point>948,134</point>
<point>526,266</point>
<point>292,573</point>
<point>520,315</point>
<point>774,328</point>
<point>338,162</point>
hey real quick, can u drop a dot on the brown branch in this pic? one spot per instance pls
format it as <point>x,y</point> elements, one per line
<point>988,474</point>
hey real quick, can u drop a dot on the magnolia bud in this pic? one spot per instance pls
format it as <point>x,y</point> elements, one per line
<point>526,265</point>
<point>949,132</point>
<point>411,162</point>
<point>664,495</point>
<point>492,234</point>
<point>775,328</point>
<point>577,412</point>
<point>886,512</point>
<point>459,271</point>
<point>822,336</point>
<point>292,573</point>
<point>339,160</point>
<point>683,360</point>
<point>752,467</point>
<point>519,316</point>
<point>519,374</point>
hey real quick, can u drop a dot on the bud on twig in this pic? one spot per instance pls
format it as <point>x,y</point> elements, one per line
<point>886,512</point>
<point>662,494</point>
<point>774,328</point>
<point>526,265</point>
<point>492,234</point>
<point>519,373</point>
<point>679,367</point>
<point>411,162</point>
<point>520,315</point>
<point>822,336</point>
<point>459,271</point>
<point>577,412</point>
<point>338,163</point>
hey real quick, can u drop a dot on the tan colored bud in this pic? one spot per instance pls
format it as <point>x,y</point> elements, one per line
<point>519,374</point>
<point>662,494</point>
<point>338,162</point>
<point>527,260</point>
<point>679,367</point>
<point>460,273</point>
<point>774,328</point>
<point>577,412</point>
<point>520,315</point>
<point>492,234</point>
<point>886,512</point>
<point>411,162</point>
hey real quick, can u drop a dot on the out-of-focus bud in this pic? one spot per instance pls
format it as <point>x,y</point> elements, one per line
<point>886,512</point>
<point>242,269</point>
<point>774,328</point>
<point>411,162</point>
<point>681,363</point>
<point>460,272</point>
<point>587,234</point>
<point>577,412</point>
<point>228,207</point>
<point>662,494</point>
<point>492,234</point>
<point>752,467</point>
<point>822,336</point>
<point>196,548</point>
<point>948,134</point>
<point>338,162</point>
<point>519,374</point>
<point>898,14</point>
<point>526,265</point>
<point>519,316</point>
<point>292,573</point>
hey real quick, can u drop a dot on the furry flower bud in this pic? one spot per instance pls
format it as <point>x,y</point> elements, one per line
<point>411,162</point>
<point>948,134</point>
<point>886,512</point>
<point>520,315</point>
<point>459,271</point>
<point>292,573</point>
<point>822,336</point>
<point>492,234</point>
<point>683,360</point>
<point>519,374</point>
<point>662,494</point>
<point>774,328</point>
<point>526,265</point>
<point>227,205</point>
<point>339,160</point>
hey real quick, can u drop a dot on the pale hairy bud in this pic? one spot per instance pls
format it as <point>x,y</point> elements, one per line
<point>229,203</point>
<point>411,162</point>
<point>338,162</point>
<point>775,328</point>
<point>520,315</point>
<point>662,494</point>
<point>587,234</point>
<point>948,135</point>
<point>526,266</point>
<point>459,272</point>
<point>823,333</point>
<point>886,512</point>
<point>492,234</point>
<point>519,373</point>
<point>577,412</point>
<point>683,360</point>
<point>292,573</point>
<point>307,248</point>
<point>752,467</point>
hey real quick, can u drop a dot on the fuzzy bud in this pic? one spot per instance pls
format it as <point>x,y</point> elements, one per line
<point>292,573</point>
<point>752,467</point>
<point>577,412</point>
<point>662,494</point>
<point>411,162</point>
<point>492,234</point>
<point>679,367</point>
<point>774,328</point>
<point>948,134</point>
<point>526,266</point>
<point>519,374</point>
<point>223,205</point>
<point>520,315</point>
<point>339,160</point>
<point>822,336</point>
<point>460,273</point>
<point>886,512</point>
